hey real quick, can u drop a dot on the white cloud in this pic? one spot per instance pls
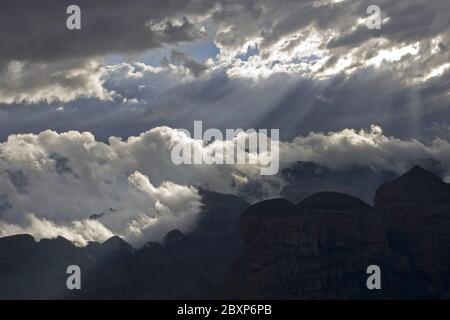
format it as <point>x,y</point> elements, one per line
<point>80,232</point>
<point>176,207</point>
<point>30,82</point>
<point>65,178</point>
<point>367,148</point>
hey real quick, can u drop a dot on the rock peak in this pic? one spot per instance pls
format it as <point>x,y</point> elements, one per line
<point>331,201</point>
<point>271,208</point>
<point>418,185</point>
<point>116,242</point>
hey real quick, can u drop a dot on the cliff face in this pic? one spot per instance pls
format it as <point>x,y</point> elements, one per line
<point>320,250</point>
<point>321,247</point>
<point>416,208</point>
<point>193,265</point>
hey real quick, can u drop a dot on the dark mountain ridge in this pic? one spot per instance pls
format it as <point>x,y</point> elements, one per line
<point>318,248</point>
<point>183,266</point>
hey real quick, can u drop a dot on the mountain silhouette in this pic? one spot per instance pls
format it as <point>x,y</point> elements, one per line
<point>183,266</point>
<point>272,207</point>
<point>417,186</point>
<point>331,201</point>
<point>319,248</point>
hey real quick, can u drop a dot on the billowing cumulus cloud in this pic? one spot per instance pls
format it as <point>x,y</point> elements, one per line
<point>67,178</point>
<point>71,185</point>
<point>371,148</point>
<point>133,185</point>
<point>79,232</point>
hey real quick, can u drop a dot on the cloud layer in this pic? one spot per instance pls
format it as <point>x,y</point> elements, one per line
<point>71,185</point>
<point>67,178</point>
<point>311,38</point>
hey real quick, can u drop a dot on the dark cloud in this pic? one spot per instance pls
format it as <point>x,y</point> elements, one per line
<point>60,66</point>
<point>41,60</point>
<point>181,58</point>
<point>19,180</point>
<point>36,30</point>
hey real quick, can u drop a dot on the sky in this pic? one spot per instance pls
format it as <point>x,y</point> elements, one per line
<point>88,117</point>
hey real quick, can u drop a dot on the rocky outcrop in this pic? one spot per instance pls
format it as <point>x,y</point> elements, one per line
<point>416,208</point>
<point>319,248</point>
<point>193,265</point>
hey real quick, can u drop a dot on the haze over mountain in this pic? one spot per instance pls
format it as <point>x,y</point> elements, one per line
<point>318,248</point>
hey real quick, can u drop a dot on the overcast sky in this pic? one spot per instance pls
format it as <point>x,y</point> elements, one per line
<point>340,92</point>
